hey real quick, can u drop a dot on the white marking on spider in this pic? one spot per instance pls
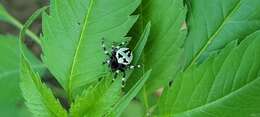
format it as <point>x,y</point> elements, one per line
<point>124,56</point>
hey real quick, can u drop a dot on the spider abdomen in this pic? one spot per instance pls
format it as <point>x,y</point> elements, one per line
<point>124,56</point>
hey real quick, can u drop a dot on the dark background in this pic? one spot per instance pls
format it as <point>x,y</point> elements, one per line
<point>22,10</point>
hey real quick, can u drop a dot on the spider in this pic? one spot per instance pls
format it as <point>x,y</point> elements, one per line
<point>119,59</point>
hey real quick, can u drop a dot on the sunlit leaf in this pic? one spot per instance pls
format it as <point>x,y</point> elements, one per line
<point>39,98</point>
<point>163,49</point>
<point>214,23</point>
<point>97,100</point>
<point>226,85</point>
<point>126,99</point>
<point>72,34</point>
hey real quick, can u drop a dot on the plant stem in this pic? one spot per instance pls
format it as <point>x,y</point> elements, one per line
<point>19,25</point>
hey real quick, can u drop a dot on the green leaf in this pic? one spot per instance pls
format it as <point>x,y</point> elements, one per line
<point>39,98</point>
<point>137,53</point>
<point>139,47</point>
<point>126,99</point>
<point>11,102</point>
<point>225,85</point>
<point>162,51</point>
<point>221,22</point>
<point>72,37</point>
<point>97,100</point>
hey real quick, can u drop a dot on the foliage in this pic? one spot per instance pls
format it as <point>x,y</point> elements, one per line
<point>225,85</point>
<point>39,98</point>
<point>76,39</point>
<point>215,88</point>
<point>96,100</point>
<point>11,98</point>
<point>207,49</point>
<point>124,101</point>
<point>163,49</point>
<point>222,22</point>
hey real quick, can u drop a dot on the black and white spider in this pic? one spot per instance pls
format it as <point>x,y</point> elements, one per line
<point>119,59</point>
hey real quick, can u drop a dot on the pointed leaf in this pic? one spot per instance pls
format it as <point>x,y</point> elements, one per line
<point>226,85</point>
<point>97,100</point>
<point>139,47</point>
<point>138,51</point>
<point>72,37</point>
<point>163,51</point>
<point>125,100</point>
<point>39,98</point>
<point>221,22</point>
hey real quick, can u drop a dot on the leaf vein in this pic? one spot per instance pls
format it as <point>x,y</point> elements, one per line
<point>69,87</point>
<point>198,54</point>
<point>222,98</point>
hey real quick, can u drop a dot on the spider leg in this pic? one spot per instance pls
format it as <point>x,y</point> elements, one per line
<point>116,73</point>
<point>134,66</point>
<point>122,44</point>
<point>113,46</point>
<point>124,75</point>
<point>106,62</point>
<point>104,47</point>
<point>123,80</point>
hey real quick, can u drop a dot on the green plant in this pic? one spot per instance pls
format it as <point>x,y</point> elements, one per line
<point>204,54</point>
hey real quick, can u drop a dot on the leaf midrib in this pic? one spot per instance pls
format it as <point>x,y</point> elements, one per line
<point>230,94</point>
<point>198,54</point>
<point>86,21</point>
